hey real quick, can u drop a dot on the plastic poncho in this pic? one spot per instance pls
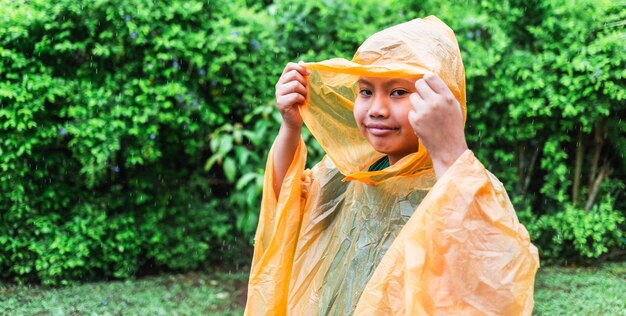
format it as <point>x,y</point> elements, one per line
<point>341,240</point>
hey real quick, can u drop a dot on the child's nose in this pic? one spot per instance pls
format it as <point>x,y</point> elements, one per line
<point>378,108</point>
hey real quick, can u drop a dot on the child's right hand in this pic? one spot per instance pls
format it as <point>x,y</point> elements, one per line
<point>291,92</point>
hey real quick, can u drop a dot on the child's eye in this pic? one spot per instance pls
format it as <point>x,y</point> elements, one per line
<point>399,92</point>
<point>365,92</point>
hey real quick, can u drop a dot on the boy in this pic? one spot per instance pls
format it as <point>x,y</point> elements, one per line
<point>399,218</point>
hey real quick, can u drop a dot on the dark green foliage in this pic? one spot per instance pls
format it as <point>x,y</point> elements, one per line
<point>135,132</point>
<point>553,130</point>
<point>107,113</point>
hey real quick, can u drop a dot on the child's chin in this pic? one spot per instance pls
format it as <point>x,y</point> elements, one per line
<point>381,149</point>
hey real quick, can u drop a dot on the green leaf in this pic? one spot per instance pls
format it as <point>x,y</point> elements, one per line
<point>230,169</point>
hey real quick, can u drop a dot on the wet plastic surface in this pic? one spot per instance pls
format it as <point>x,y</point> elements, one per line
<point>341,240</point>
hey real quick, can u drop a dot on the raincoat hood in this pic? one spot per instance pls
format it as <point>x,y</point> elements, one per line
<point>407,50</point>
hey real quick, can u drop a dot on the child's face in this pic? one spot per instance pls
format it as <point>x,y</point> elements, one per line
<point>381,110</point>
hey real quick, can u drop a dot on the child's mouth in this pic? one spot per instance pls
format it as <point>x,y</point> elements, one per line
<point>378,129</point>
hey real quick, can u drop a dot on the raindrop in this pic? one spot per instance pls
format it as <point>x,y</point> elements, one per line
<point>255,44</point>
<point>597,73</point>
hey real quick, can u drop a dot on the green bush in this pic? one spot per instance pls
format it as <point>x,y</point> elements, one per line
<point>553,130</point>
<point>107,110</point>
<point>135,132</point>
<point>575,232</point>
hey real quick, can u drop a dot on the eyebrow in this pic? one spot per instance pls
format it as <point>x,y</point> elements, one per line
<point>392,82</point>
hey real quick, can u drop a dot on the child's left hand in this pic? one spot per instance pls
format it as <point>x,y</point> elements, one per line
<point>438,121</point>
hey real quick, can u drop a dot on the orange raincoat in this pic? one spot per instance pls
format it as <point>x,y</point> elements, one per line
<point>341,240</point>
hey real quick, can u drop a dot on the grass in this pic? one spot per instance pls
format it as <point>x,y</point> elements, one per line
<point>559,291</point>
<point>581,291</point>
<point>218,293</point>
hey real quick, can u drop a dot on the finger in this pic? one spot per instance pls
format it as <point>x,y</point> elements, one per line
<point>293,75</point>
<point>417,102</point>
<point>308,72</point>
<point>413,119</point>
<point>291,87</point>
<point>289,67</point>
<point>437,84</point>
<point>292,98</point>
<point>293,66</point>
<point>424,90</point>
